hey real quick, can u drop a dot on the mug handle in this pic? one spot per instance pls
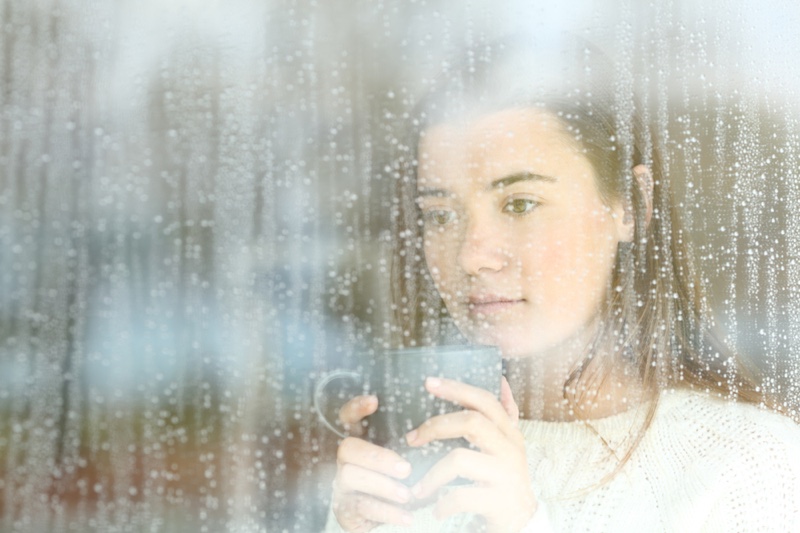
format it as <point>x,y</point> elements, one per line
<point>319,390</point>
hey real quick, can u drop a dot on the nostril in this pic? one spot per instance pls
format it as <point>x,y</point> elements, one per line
<point>475,260</point>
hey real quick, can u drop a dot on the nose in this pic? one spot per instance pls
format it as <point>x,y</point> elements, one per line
<point>482,250</point>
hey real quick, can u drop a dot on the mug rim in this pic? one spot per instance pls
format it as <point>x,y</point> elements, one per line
<point>444,349</point>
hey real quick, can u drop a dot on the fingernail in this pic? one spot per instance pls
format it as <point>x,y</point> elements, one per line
<point>411,436</point>
<point>402,467</point>
<point>416,490</point>
<point>407,519</point>
<point>433,382</point>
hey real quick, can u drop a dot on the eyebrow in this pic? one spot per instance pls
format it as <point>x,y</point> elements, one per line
<point>428,192</point>
<point>499,183</point>
<point>519,176</point>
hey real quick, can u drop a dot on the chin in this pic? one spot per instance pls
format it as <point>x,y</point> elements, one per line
<point>512,344</point>
<point>520,341</point>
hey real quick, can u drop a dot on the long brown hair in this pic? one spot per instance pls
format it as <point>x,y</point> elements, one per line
<point>656,314</point>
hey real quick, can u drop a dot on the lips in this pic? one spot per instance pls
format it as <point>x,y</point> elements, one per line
<point>492,304</point>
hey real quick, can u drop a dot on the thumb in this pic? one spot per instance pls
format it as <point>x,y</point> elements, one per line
<point>507,400</point>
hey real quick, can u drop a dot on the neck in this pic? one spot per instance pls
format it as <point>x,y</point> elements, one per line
<point>604,389</point>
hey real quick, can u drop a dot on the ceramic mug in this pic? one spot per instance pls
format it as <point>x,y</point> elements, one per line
<point>397,378</point>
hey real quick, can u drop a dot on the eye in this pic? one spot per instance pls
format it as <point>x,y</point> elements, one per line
<point>439,217</point>
<point>520,206</point>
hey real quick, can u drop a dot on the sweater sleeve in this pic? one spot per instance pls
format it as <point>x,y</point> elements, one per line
<point>331,524</point>
<point>539,523</point>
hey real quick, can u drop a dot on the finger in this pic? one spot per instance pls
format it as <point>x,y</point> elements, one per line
<point>461,462</point>
<point>354,411</point>
<point>359,452</point>
<point>471,397</point>
<point>470,499</point>
<point>471,425</point>
<point>500,514</point>
<point>507,400</point>
<point>353,478</point>
<point>361,508</point>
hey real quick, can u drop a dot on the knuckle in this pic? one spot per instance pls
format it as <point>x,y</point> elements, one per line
<point>341,487</point>
<point>346,448</point>
<point>460,457</point>
<point>471,416</point>
<point>485,396</point>
<point>473,422</point>
<point>427,428</point>
<point>348,511</point>
<point>349,476</point>
<point>363,505</point>
<point>449,503</point>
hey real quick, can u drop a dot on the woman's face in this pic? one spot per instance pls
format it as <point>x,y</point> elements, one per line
<point>518,241</point>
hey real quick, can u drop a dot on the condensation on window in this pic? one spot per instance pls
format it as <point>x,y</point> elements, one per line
<point>196,225</point>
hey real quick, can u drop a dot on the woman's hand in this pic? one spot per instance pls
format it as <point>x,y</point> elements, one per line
<point>501,491</point>
<point>366,492</point>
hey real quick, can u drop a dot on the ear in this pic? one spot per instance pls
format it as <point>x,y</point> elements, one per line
<point>623,215</point>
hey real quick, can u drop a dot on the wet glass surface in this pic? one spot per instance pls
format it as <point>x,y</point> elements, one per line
<point>196,216</point>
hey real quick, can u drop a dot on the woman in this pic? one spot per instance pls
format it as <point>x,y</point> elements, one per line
<point>544,225</point>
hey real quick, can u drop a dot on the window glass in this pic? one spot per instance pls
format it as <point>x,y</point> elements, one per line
<point>197,220</point>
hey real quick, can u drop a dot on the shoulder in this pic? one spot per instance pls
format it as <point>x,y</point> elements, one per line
<point>723,421</point>
<point>742,458</point>
<point>726,427</point>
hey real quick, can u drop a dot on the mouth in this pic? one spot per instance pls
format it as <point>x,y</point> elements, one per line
<point>491,305</point>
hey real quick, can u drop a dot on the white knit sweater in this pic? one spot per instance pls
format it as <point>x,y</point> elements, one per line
<point>703,465</point>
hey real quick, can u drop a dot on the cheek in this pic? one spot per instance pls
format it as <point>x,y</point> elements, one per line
<point>438,258</point>
<point>555,254</point>
<point>572,264</point>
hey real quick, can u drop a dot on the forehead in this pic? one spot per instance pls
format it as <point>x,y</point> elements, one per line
<point>510,140</point>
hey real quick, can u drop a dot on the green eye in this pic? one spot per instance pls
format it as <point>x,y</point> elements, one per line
<point>520,206</point>
<point>440,217</point>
